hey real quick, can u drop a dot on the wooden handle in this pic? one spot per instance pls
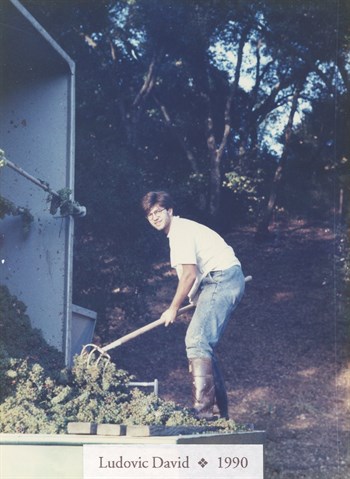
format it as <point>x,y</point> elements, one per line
<point>148,327</point>
<point>144,329</point>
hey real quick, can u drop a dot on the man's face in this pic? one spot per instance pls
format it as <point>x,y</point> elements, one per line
<point>160,218</point>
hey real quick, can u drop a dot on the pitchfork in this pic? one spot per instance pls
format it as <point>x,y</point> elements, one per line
<point>133,334</point>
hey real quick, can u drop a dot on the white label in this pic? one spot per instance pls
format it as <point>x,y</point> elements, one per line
<point>173,461</point>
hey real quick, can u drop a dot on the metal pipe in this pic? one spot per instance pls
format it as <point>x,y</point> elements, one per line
<point>77,209</point>
<point>155,385</point>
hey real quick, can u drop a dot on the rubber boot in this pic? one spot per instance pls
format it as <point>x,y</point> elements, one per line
<point>203,388</point>
<point>220,391</point>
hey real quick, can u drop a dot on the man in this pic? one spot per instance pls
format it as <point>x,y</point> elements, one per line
<point>209,273</point>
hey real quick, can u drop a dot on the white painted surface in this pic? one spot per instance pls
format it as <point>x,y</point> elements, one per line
<point>37,133</point>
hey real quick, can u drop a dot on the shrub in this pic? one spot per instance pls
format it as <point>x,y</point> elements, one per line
<point>86,393</point>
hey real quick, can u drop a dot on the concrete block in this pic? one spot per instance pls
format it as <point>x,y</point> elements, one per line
<point>111,430</point>
<point>154,430</point>
<point>82,428</point>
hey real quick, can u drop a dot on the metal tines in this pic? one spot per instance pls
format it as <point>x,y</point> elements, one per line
<point>93,350</point>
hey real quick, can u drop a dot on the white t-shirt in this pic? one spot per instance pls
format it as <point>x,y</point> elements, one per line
<point>193,243</point>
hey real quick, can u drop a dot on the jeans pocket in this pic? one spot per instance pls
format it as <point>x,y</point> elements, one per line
<point>214,276</point>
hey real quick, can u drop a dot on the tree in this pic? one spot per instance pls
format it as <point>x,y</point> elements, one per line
<point>168,79</point>
<point>206,102</point>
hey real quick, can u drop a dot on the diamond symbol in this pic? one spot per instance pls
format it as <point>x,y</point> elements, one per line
<point>202,462</point>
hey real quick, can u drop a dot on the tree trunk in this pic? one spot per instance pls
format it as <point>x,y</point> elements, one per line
<point>262,231</point>
<point>216,154</point>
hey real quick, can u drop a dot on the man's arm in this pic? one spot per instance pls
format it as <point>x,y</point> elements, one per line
<point>184,286</point>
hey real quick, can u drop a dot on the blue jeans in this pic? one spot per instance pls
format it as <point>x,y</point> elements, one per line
<point>220,293</point>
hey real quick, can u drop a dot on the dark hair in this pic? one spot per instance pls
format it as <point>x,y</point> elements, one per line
<point>162,198</point>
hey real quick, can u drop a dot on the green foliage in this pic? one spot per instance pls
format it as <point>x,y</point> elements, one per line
<point>155,88</point>
<point>152,410</point>
<point>97,391</point>
<point>27,410</point>
<point>7,207</point>
<point>44,398</point>
<point>247,190</point>
<point>61,200</point>
<point>318,165</point>
<point>37,393</point>
<point>19,341</point>
<point>149,409</point>
<point>87,393</point>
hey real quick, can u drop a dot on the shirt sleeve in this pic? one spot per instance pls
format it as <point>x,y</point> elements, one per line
<point>182,249</point>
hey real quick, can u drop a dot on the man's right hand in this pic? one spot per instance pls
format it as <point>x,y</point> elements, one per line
<point>169,316</point>
<point>183,288</point>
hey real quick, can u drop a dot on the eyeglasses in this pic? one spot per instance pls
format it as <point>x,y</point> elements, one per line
<point>155,213</point>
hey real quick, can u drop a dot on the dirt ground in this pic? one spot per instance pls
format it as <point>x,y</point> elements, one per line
<point>284,353</point>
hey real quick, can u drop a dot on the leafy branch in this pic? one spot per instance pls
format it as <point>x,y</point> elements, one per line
<point>60,200</point>
<point>9,208</point>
